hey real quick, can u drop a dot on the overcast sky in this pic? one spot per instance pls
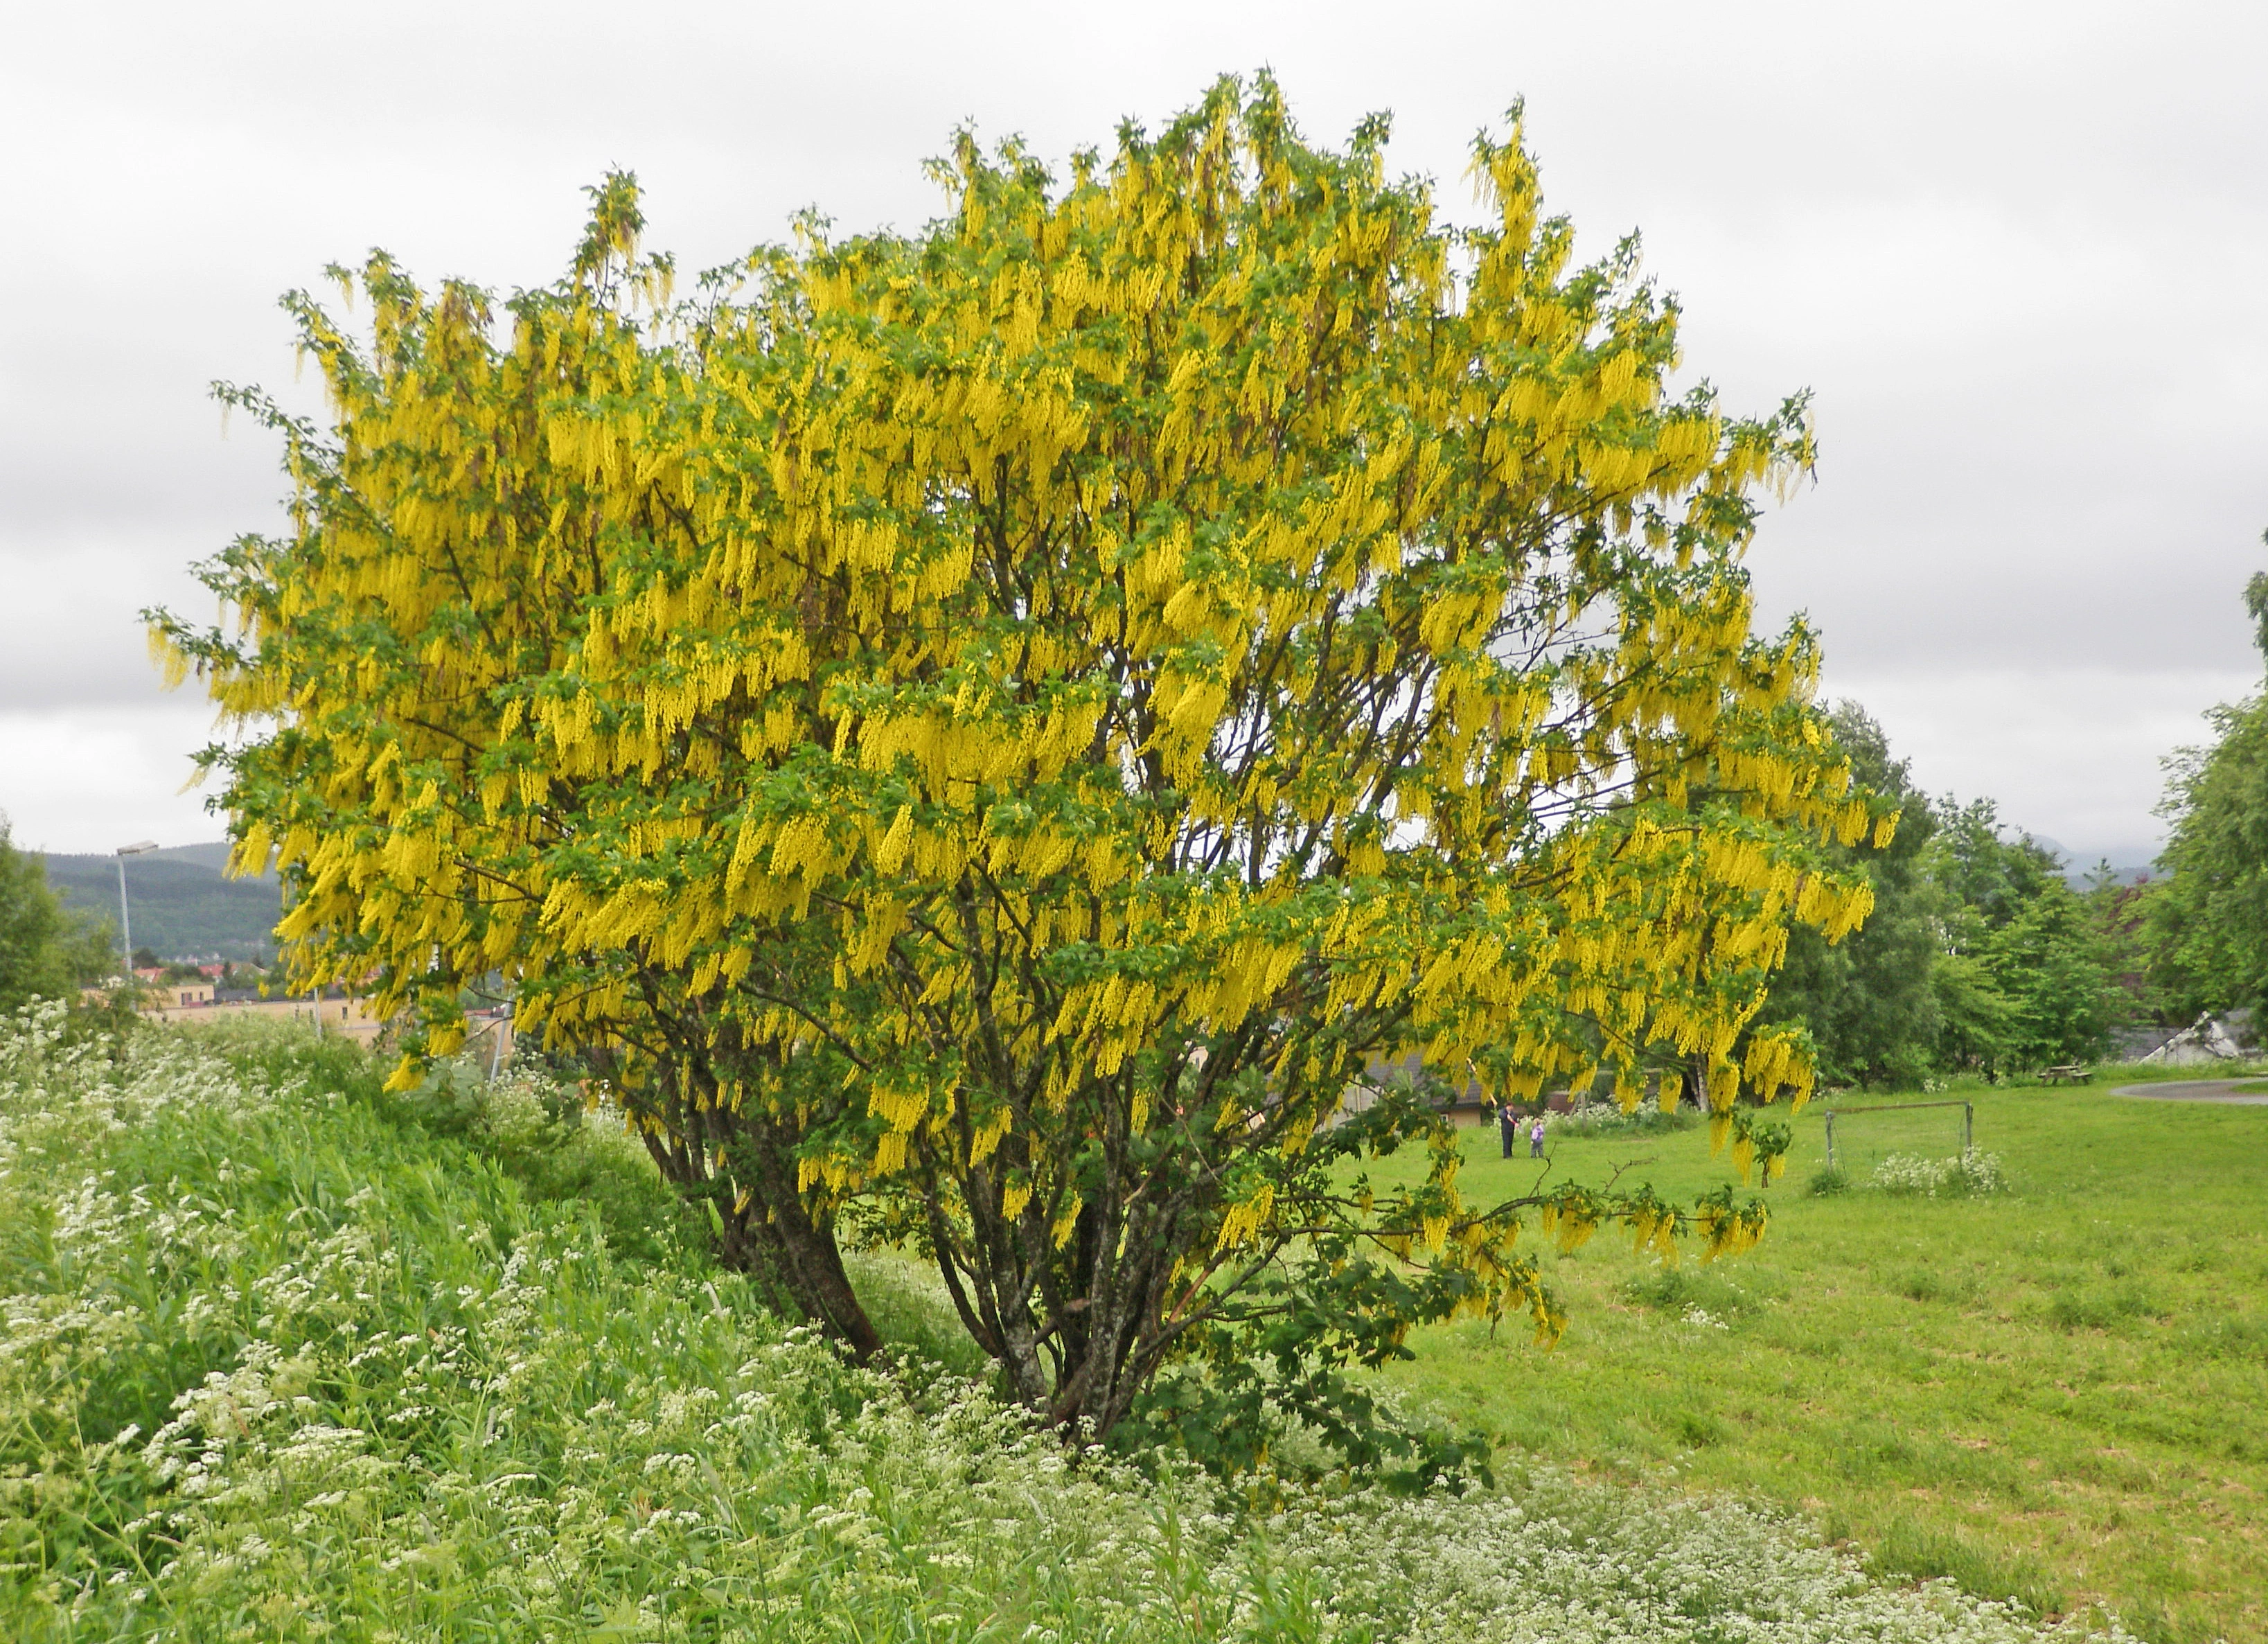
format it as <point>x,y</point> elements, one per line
<point>2018,252</point>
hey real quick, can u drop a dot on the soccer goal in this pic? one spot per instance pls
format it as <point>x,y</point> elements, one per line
<point>1900,1135</point>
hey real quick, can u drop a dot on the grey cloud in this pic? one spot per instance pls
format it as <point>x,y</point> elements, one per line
<point>2014,250</point>
<point>2076,754</point>
<point>74,634</point>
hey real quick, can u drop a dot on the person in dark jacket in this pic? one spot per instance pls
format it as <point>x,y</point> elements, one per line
<point>1507,1124</point>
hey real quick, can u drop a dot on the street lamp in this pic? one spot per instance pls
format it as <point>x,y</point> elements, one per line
<point>126,919</point>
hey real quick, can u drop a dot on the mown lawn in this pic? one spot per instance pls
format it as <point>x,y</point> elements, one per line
<point>2059,1392</point>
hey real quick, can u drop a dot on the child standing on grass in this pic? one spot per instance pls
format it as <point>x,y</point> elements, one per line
<point>1536,1138</point>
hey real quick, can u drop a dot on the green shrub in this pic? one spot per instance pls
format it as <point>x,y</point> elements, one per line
<point>1828,1180</point>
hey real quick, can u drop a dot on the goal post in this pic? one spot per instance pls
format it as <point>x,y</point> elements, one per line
<point>1968,1120</point>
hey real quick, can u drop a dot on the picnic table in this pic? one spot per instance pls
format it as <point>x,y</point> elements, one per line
<point>2069,1074</point>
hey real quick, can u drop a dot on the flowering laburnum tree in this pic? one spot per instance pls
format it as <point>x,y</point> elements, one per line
<point>990,735</point>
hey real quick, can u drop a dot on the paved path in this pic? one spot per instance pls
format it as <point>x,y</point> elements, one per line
<point>2240,1093</point>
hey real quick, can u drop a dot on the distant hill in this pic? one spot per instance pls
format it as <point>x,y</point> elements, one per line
<point>2130,864</point>
<point>184,906</point>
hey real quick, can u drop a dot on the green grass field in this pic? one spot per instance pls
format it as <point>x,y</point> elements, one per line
<point>2059,1392</point>
<point>284,1359</point>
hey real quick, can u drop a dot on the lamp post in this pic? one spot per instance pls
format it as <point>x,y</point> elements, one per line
<point>126,919</point>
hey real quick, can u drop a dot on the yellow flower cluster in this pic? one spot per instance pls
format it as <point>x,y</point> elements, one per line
<point>1211,603</point>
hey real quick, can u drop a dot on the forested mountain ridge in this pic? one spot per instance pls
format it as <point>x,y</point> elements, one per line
<point>184,904</point>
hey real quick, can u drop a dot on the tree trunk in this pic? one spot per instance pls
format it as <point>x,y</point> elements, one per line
<point>766,1229</point>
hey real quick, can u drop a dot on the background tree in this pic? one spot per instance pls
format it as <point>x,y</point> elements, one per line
<point>2209,922</point>
<point>32,961</point>
<point>2118,908</point>
<point>1869,1001</point>
<point>1978,953</point>
<point>45,952</point>
<point>2036,984</point>
<point>1000,727</point>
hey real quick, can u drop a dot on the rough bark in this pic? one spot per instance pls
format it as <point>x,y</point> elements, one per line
<point>764,1228</point>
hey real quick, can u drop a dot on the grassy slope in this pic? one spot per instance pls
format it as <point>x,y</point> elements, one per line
<point>434,1406</point>
<point>284,1359</point>
<point>2059,1393</point>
